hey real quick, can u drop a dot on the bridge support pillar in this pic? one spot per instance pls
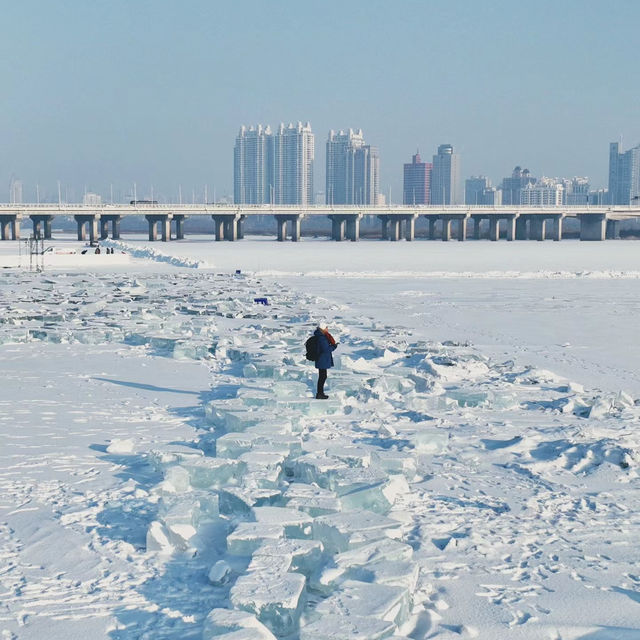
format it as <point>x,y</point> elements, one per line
<point>9,227</point>
<point>384,221</point>
<point>104,229</point>
<point>337,228</point>
<point>511,227</point>
<point>476,227</point>
<point>410,228</point>
<point>432,228</point>
<point>462,229</point>
<point>494,228</point>
<point>165,226</point>
<point>537,227</point>
<point>226,226</point>
<point>522,228</point>
<point>90,221</point>
<point>179,224</point>
<point>394,229</point>
<point>592,226</point>
<point>353,227</point>
<point>349,222</point>
<point>41,226</point>
<point>446,229</point>
<point>612,230</point>
<point>556,227</point>
<point>114,221</point>
<point>240,227</point>
<point>281,224</point>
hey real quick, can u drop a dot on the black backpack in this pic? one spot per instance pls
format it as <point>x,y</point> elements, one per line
<point>311,345</point>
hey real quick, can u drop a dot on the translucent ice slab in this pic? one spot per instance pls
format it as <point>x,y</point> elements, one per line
<point>339,627</point>
<point>233,445</point>
<point>312,499</point>
<point>276,598</point>
<point>238,501</point>
<point>343,531</point>
<point>424,437</point>
<point>248,536</point>
<point>302,556</point>
<point>297,524</point>
<point>318,469</point>
<point>222,623</point>
<point>394,461</point>
<point>398,574</point>
<point>357,598</point>
<point>208,472</point>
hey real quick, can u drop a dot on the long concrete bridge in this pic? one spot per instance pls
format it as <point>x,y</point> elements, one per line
<point>397,222</point>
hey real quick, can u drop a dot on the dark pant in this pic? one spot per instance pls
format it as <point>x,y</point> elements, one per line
<point>322,378</point>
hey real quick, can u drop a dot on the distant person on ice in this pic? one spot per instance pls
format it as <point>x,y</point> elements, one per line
<point>326,346</point>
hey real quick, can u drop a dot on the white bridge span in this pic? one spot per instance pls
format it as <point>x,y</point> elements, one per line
<point>397,221</point>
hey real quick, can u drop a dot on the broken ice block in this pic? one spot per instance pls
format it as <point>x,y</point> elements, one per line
<point>302,556</point>
<point>219,573</point>
<point>248,536</point>
<point>424,437</point>
<point>398,574</point>
<point>365,599</point>
<point>296,523</point>
<point>342,531</point>
<point>340,627</point>
<point>318,469</point>
<point>394,461</point>
<point>314,500</point>
<point>158,538</point>
<point>266,462</point>
<point>225,622</point>
<point>212,472</point>
<point>275,598</point>
<point>290,389</point>
<point>238,501</point>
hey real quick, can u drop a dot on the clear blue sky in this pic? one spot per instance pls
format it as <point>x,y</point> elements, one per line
<point>95,92</point>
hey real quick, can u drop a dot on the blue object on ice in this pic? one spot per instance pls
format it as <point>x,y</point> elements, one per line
<point>238,272</point>
<point>261,301</point>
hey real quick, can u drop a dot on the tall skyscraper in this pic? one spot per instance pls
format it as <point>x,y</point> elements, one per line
<point>353,169</point>
<point>417,181</point>
<point>253,166</point>
<point>274,168</point>
<point>293,156</point>
<point>624,175</point>
<point>445,177</point>
<point>511,187</point>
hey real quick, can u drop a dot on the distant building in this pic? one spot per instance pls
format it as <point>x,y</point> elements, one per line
<point>624,175</point>
<point>274,168</point>
<point>352,169</point>
<point>92,199</point>
<point>293,156</point>
<point>576,191</point>
<point>599,197</point>
<point>15,191</point>
<point>547,192</point>
<point>445,177</point>
<point>512,186</point>
<point>417,181</point>
<point>492,196</point>
<point>253,166</point>
<point>474,188</point>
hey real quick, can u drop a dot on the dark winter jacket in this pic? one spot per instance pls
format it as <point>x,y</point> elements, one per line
<point>325,349</point>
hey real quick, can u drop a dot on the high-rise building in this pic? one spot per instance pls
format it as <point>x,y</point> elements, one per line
<point>576,191</point>
<point>353,169</point>
<point>474,188</point>
<point>15,191</point>
<point>512,186</point>
<point>417,181</point>
<point>445,177</point>
<point>253,166</point>
<point>544,193</point>
<point>274,168</point>
<point>624,175</point>
<point>293,156</point>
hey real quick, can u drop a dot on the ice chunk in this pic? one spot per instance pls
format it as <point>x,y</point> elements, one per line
<point>176,480</point>
<point>296,523</point>
<point>172,454</point>
<point>191,509</point>
<point>224,622</point>
<point>318,469</point>
<point>220,573</point>
<point>248,536</point>
<point>342,531</point>
<point>159,538</point>
<point>208,472</point>
<point>121,446</point>
<point>302,556</point>
<point>339,627</point>
<point>268,463</point>
<point>424,437</point>
<point>601,408</point>
<point>357,598</point>
<point>399,574</point>
<point>467,398</point>
<point>394,461</point>
<point>290,389</point>
<point>352,454</point>
<point>239,500</point>
<point>275,598</point>
<point>314,500</point>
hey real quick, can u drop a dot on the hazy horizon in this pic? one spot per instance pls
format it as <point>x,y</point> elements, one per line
<point>154,92</point>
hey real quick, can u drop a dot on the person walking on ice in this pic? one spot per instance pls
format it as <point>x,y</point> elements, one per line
<point>325,346</point>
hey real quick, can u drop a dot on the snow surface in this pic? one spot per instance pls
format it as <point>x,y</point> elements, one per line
<point>167,473</point>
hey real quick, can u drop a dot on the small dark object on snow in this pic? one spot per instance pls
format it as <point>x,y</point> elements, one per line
<point>261,301</point>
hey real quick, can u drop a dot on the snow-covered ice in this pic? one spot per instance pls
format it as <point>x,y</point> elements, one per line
<point>167,473</point>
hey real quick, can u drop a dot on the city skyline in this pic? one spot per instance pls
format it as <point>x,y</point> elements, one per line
<point>91,98</point>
